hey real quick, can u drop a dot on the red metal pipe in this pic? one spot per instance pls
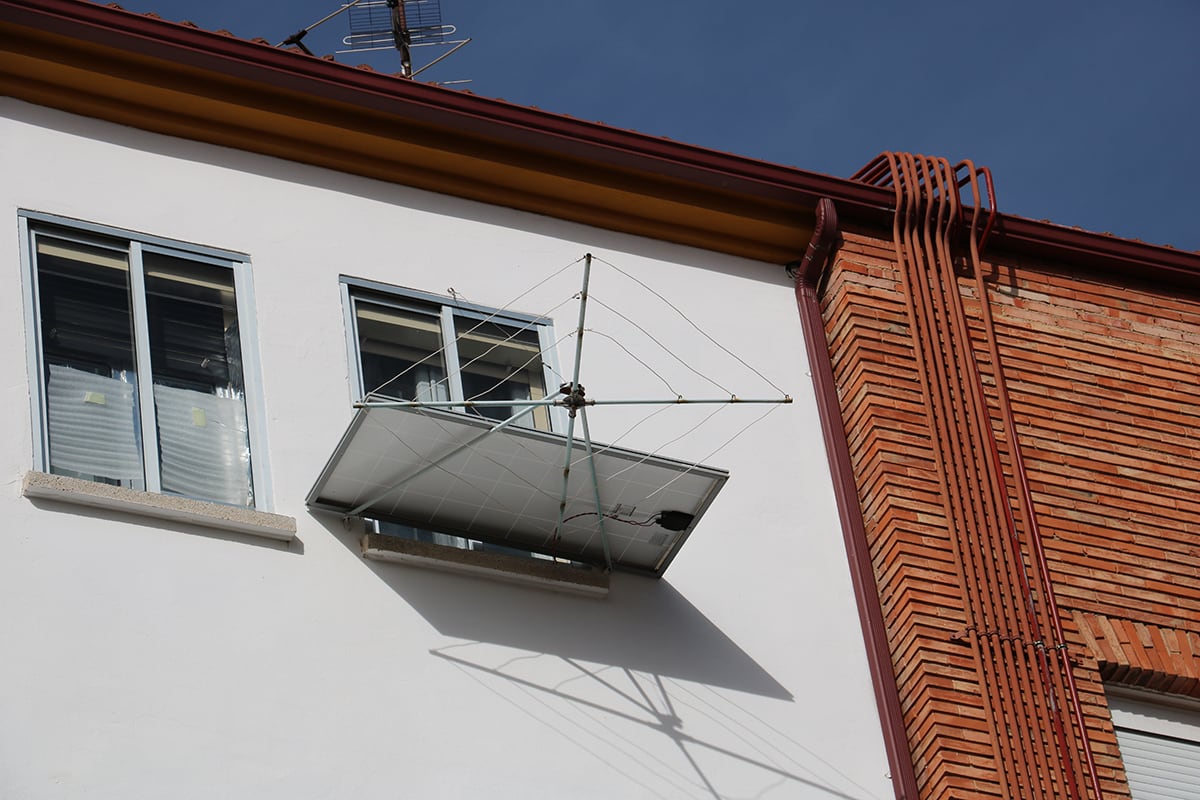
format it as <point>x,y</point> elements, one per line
<point>915,260</point>
<point>927,213</point>
<point>1041,679</point>
<point>807,274</point>
<point>992,492</point>
<point>1026,499</point>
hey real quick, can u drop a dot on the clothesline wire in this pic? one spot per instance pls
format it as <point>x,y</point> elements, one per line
<point>770,410</point>
<point>631,354</point>
<point>689,321</point>
<point>491,316</point>
<point>654,339</point>
<point>600,450</point>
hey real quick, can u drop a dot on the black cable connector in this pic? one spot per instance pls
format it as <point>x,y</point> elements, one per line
<point>296,39</point>
<point>675,520</point>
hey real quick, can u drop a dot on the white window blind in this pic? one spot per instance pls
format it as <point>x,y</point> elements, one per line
<point>1160,746</point>
<point>203,443</point>
<point>92,425</point>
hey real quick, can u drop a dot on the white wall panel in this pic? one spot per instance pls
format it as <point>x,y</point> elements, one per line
<point>148,660</point>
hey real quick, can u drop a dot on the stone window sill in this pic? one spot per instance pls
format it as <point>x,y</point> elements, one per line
<point>497,566</point>
<point>161,506</point>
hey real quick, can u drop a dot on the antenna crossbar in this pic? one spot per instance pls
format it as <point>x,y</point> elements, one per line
<point>568,402</point>
<point>390,24</point>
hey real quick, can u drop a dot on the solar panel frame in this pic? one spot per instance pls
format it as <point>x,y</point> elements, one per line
<point>506,488</point>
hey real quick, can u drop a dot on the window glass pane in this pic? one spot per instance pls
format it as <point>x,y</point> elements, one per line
<point>402,355</point>
<point>501,362</point>
<point>199,391</point>
<point>88,352</point>
<point>400,352</point>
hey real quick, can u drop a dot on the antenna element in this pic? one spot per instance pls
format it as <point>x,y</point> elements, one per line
<point>402,24</point>
<point>387,24</point>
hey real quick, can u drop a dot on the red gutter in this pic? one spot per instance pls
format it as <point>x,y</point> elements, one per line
<point>807,274</point>
<point>1051,242</point>
<point>413,101</point>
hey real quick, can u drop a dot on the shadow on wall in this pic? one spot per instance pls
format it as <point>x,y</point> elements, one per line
<point>154,525</point>
<point>643,625</point>
<point>640,681</point>
<point>717,747</point>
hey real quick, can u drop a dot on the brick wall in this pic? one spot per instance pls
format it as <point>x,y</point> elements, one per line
<point>1100,371</point>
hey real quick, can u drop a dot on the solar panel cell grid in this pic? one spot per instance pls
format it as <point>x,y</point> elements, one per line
<point>506,487</point>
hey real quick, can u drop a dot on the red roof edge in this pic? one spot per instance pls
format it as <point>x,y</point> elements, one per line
<point>1046,240</point>
<point>535,128</point>
<point>295,71</point>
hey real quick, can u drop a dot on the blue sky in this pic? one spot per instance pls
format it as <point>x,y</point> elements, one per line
<point>1087,112</point>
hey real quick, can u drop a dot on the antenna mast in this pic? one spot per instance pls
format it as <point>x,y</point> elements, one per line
<point>404,25</point>
<point>386,24</point>
<point>402,36</point>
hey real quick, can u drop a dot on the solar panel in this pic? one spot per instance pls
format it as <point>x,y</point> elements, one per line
<point>506,487</point>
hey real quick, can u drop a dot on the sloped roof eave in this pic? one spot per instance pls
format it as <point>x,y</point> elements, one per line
<point>310,110</point>
<point>174,79</point>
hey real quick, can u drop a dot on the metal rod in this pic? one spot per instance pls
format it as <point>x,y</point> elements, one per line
<point>583,296</point>
<point>557,400</point>
<point>587,443</point>
<point>300,34</point>
<point>401,36</point>
<point>457,46</point>
<point>571,396</point>
<point>683,401</point>
<point>566,473</point>
<point>551,400</point>
<point>437,461</point>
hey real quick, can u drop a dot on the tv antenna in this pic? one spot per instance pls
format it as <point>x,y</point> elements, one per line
<point>386,24</point>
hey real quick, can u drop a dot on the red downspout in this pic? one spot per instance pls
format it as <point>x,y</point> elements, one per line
<point>807,274</point>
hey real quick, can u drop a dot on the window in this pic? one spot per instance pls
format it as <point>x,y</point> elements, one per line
<point>140,362</point>
<point>414,346</point>
<point>408,345</point>
<point>1159,737</point>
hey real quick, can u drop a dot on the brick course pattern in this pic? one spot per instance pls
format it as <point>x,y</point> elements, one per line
<point>1100,372</point>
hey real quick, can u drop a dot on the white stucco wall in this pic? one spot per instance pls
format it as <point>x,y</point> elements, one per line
<point>148,660</point>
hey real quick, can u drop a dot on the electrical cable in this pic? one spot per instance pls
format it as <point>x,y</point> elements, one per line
<point>668,519</point>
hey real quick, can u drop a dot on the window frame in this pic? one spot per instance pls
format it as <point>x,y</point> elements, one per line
<point>30,225</point>
<point>445,308</point>
<point>1140,715</point>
